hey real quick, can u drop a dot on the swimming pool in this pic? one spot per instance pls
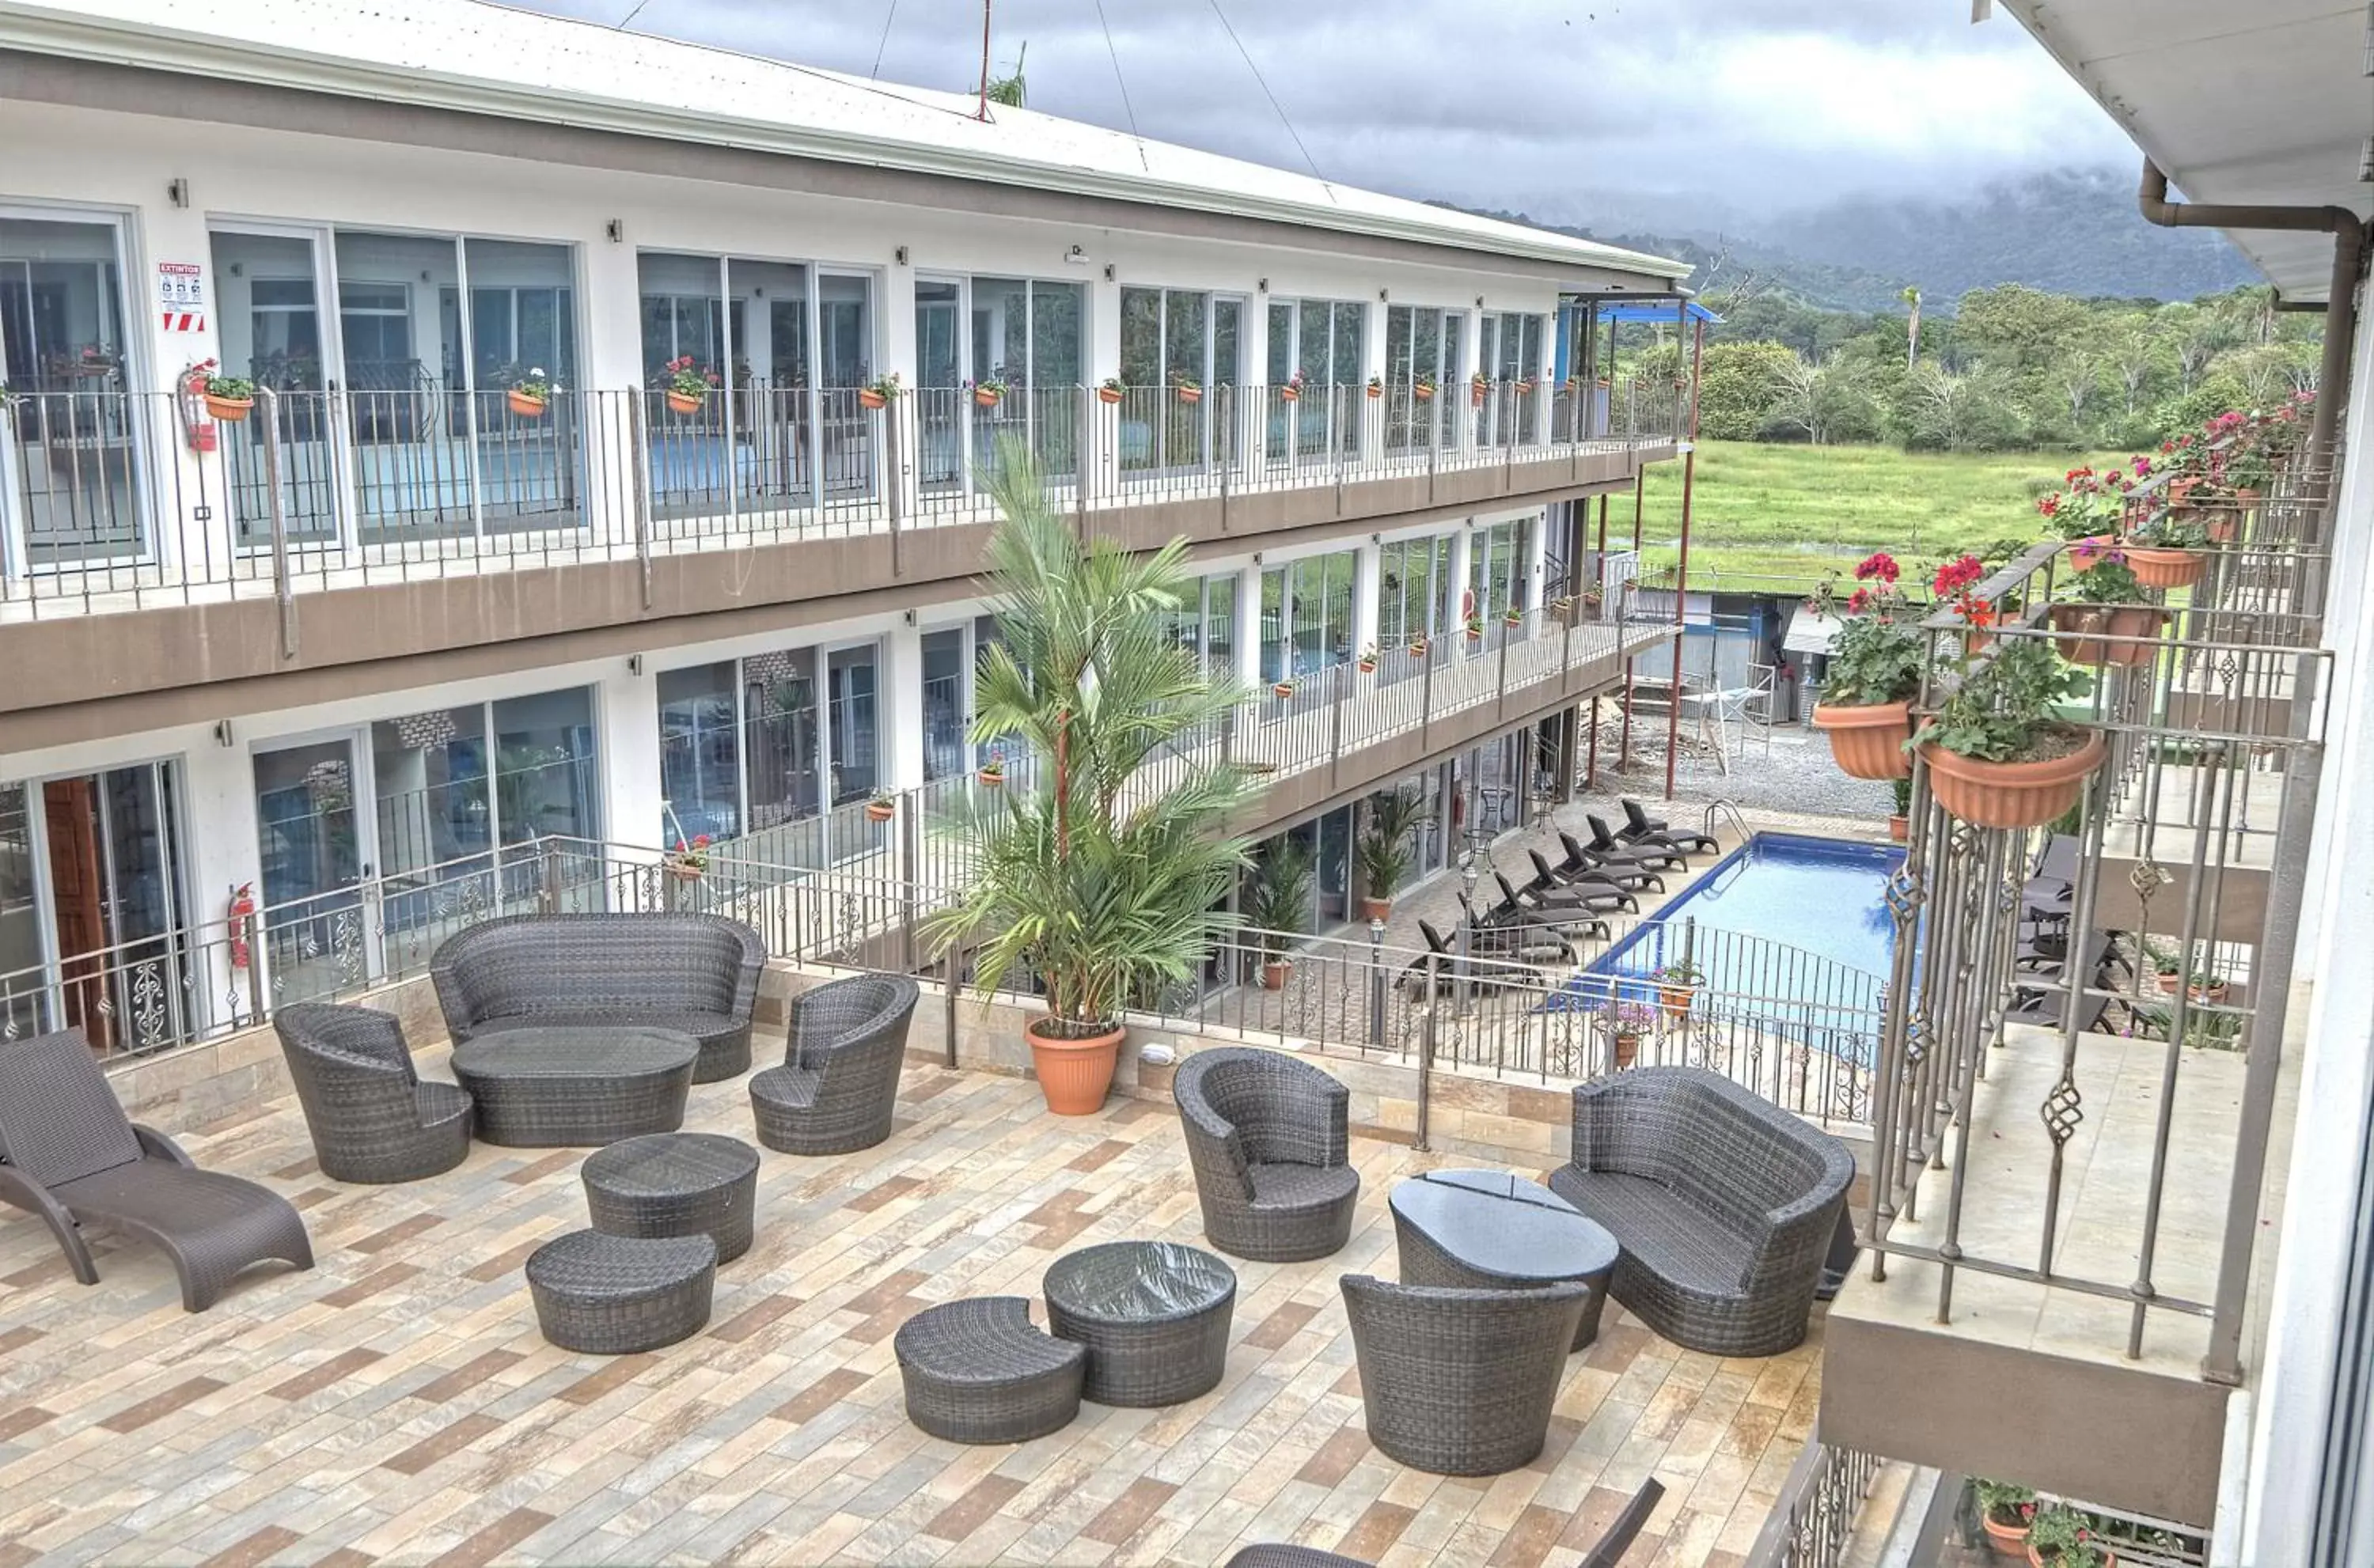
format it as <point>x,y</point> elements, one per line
<point>1784,918</point>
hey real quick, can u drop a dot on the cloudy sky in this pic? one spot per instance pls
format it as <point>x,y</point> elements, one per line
<point>1613,113</point>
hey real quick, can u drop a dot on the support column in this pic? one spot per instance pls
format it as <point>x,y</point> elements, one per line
<point>631,792</point>
<point>900,706</point>
<point>1456,633</point>
<point>1367,571</point>
<point>1249,628</point>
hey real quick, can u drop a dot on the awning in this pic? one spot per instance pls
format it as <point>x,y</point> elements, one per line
<point>1811,631</point>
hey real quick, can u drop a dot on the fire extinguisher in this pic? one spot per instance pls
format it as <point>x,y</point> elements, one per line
<point>198,429</point>
<point>242,909</point>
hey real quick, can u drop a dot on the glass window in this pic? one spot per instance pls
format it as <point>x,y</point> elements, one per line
<point>429,771</point>
<point>852,715</point>
<point>1281,342</point>
<point>21,977</point>
<point>938,349</point>
<point>700,755</point>
<point>545,780</point>
<point>781,737</point>
<point>845,325</point>
<point>1228,350</point>
<point>1141,337</point>
<point>1220,622</point>
<point>391,318</point>
<point>682,312</point>
<point>523,313</point>
<point>943,703</point>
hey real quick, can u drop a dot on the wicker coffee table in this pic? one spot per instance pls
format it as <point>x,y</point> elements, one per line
<point>675,1184</point>
<point>1153,1315</point>
<point>1489,1230</point>
<point>537,1088</point>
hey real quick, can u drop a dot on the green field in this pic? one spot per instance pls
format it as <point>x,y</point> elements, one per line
<point>1768,516</point>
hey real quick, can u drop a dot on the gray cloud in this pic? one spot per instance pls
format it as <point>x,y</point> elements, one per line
<point>1667,113</point>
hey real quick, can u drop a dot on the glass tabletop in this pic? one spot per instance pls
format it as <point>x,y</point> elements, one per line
<point>1501,1224</point>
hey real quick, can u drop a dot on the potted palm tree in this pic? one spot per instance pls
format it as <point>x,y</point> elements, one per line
<point>1084,879</point>
<point>1875,665</point>
<point>1277,904</point>
<point>1385,848</point>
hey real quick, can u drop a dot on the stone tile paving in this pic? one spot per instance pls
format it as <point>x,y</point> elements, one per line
<point>396,1405</point>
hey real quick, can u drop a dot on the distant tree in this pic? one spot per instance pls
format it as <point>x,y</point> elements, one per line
<point>2134,354</point>
<point>1737,385</point>
<point>1912,297</point>
<point>2018,329</point>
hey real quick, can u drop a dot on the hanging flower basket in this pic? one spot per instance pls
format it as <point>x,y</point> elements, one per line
<point>2156,567</point>
<point>230,410</point>
<point>526,407</point>
<point>1190,394</point>
<point>1283,689</point>
<point>2225,525</point>
<point>988,397</point>
<point>880,810</point>
<point>1289,393</point>
<point>1368,666</point>
<point>1108,394</point>
<point>1676,999</point>
<point>1423,393</point>
<point>2085,554</point>
<point>1512,617</point>
<point>2013,794</point>
<point>1867,739</point>
<point>1476,391</point>
<point>2084,631</point>
<point>1417,647</point>
<point>992,774</point>
<point>687,403</point>
<point>1376,388</point>
<point>868,398</point>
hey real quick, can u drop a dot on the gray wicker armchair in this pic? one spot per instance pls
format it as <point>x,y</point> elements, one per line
<point>838,1085</point>
<point>695,974</point>
<point>1604,1552</point>
<point>1268,1138</point>
<point>70,1155</point>
<point>1723,1205</point>
<point>371,1117</point>
<point>1460,1382</point>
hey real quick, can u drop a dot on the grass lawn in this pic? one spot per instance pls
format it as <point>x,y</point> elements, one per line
<point>1778,517</point>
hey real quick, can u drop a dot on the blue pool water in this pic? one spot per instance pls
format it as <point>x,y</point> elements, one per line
<point>1783,918</point>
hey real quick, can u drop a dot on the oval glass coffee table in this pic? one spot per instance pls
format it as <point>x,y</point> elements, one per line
<point>1489,1230</point>
<point>1154,1316</point>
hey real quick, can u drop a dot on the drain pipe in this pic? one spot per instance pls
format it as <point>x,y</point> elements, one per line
<point>2341,304</point>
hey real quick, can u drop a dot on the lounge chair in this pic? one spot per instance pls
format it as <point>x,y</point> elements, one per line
<point>1267,1138</point>
<point>1548,876</point>
<point>1493,950</point>
<point>1597,897</point>
<point>1639,827</point>
<point>837,1090</point>
<point>1460,1382</point>
<point>69,1154</point>
<point>1659,857</point>
<point>1528,935</point>
<point>1624,870</point>
<point>1551,907</point>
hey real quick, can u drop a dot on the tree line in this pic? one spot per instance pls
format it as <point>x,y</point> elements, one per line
<point>2012,369</point>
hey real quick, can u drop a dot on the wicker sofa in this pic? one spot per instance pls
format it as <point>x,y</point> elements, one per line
<point>1267,1139</point>
<point>838,1088</point>
<point>1723,1203</point>
<point>697,974</point>
<point>371,1117</point>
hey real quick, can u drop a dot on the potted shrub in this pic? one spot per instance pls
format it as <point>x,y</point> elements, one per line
<point>1625,1022</point>
<point>1899,826</point>
<point>991,772</point>
<point>530,393</point>
<point>1422,390</point>
<point>1385,848</point>
<point>2005,1511</point>
<point>2105,601</point>
<point>2062,1537</point>
<point>2165,552</point>
<point>1368,660</point>
<point>2089,508</point>
<point>1417,646</point>
<point>1109,390</point>
<point>880,394</point>
<point>1189,389</point>
<point>1277,904</point>
<point>1095,887</point>
<point>1512,616</point>
<point>1592,597</point>
<point>689,859</point>
<point>1997,754</point>
<point>1476,628</point>
<point>1477,385</point>
<point>1281,689</point>
<point>1875,667</point>
<point>229,398</point>
<point>2248,472</point>
<point>989,392</point>
<point>881,806</point>
<point>1291,390</point>
<point>1677,986</point>
<point>687,387</point>
<point>1376,386</point>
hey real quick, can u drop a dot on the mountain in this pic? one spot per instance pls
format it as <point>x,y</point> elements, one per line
<point>2070,231</point>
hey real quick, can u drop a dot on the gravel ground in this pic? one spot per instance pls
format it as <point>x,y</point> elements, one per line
<point>1793,775</point>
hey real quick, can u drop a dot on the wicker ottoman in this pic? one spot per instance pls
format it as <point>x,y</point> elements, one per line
<point>542,1087</point>
<point>612,1294</point>
<point>1489,1230</point>
<point>1154,1316</point>
<point>978,1372</point>
<point>675,1184</point>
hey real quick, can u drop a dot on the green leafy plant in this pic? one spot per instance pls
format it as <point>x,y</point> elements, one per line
<point>1903,788</point>
<point>992,387</point>
<point>239,388</point>
<point>1879,655</point>
<point>2000,709</point>
<point>2108,580</point>
<point>1101,887</point>
<point>1680,972</point>
<point>2249,469</point>
<point>2165,531</point>
<point>680,376</point>
<point>886,388</point>
<point>1277,901</point>
<point>2005,1503</point>
<point>2064,1537</point>
<point>1393,816</point>
<point>533,384</point>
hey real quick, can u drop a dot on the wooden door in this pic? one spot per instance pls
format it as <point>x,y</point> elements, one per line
<point>78,891</point>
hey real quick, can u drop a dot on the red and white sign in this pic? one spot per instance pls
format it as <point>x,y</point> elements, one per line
<point>181,295</point>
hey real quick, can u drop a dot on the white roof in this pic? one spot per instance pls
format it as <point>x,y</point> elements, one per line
<point>489,59</point>
<point>1810,631</point>
<point>2260,102</point>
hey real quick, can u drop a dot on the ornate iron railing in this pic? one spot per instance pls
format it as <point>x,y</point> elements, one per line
<point>1813,1521</point>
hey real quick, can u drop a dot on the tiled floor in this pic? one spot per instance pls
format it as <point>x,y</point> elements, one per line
<point>398,1405</point>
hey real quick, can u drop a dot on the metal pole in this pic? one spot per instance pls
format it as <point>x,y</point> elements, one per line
<point>641,501</point>
<point>954,972</point>
<point>1376,981</point>
<point>896,476</point>
<point>1682,574</point>
<point>549,895</point>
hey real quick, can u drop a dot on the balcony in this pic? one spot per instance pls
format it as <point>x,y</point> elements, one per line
<point>2086,1062</point>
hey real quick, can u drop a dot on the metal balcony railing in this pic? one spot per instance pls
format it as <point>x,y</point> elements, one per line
<point>114,501</point>
<point>2187,851</point>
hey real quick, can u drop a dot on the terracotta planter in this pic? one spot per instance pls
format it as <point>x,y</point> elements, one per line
<point>2010,794</point>
<point>1417,647</point>
<point>2156,567</point>
<point>2225,526</point>
<point>230,410</point>
<point>2213,994</point>
<point>526,407</point>
<point>1513,618</point>
<point>2083,560</point>
<point>1368,666</point>
<point>1276,972</point>
<point>1478,397</point>
<point>1475,634</point>
<point>868,398</point>
<point>2110,1558</point>
<point>1899,828</point>
<point>1194,394</point>
<point>1289,395</point>
<point>1376,391</point>
<point>1108,394</point>
<point>682,873</point>
<point>1074,1075</point>
<point>1423,395</point>
<point>2246,498</point>
<point>880,811</point>
<point>2004,1540</point>
<point>685,402</point>
<point>991,778</point>
<point>2086,630</point>
<point>1376,908</point>
<point>1628,1048</point>
<point>1867,739</point>
<point>985,397</point>
<point>1676,999</point>
<point>1282,690</point>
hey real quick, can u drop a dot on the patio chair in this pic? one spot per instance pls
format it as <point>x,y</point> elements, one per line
<point>1460,1382</point>
<point>1723,1205</point>
<point>1606,1553</point>
<point>371,1117</point>
<point>1624,870</point>
<point>1267,1139</point>
<point>1655,855</point>
<point>1547,877</point>
<point>69,1154</point>
<point>838,1088</point>
<point>1561,905</point>
<point>1639,827</point>
<point>1511,925</point>
<point>1493,949</point>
